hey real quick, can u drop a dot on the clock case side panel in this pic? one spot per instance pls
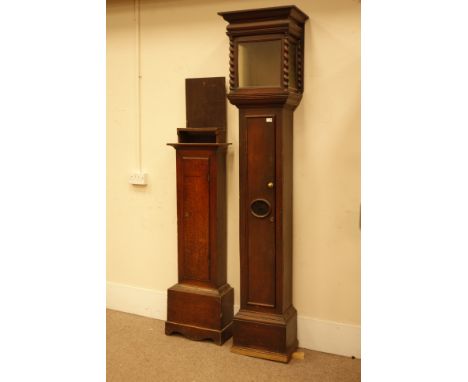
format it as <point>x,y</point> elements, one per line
<point>285,177</point>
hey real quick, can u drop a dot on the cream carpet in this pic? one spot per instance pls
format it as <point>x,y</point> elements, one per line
<point>138,350</point>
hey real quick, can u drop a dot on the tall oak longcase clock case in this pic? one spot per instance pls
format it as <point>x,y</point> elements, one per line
<point>266,84</point>
<point>200,305</point>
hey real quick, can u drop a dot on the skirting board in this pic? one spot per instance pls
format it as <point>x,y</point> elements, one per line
<point>313,334</point>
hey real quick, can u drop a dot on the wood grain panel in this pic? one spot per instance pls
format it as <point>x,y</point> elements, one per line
<point>205,100</point>
<point>195,212</point>
<point>261,231</point>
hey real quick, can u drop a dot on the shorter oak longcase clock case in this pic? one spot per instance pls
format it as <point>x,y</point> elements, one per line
<point>266,84</point>
<point>200,305</point>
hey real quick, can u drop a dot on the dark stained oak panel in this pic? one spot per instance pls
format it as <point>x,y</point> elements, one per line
<point>261,228</point>
<point>205,100</point>
<point>195,212</point>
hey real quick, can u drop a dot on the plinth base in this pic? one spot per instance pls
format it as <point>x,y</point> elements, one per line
<point>265,335</point>
<point>200,313</point>
<point>197,334</point>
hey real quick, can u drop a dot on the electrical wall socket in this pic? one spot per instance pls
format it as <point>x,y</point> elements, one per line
<point>138,178</point>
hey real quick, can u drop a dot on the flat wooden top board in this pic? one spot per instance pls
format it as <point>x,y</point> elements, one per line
<point>205,100</point>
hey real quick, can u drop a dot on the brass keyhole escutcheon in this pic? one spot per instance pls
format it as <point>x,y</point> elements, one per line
<point>270,185</point>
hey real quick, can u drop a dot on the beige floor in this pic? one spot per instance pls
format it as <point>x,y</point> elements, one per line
<point>138,350</point>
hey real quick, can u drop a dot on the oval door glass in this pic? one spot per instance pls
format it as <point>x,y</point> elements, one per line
<point>260,208</point>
